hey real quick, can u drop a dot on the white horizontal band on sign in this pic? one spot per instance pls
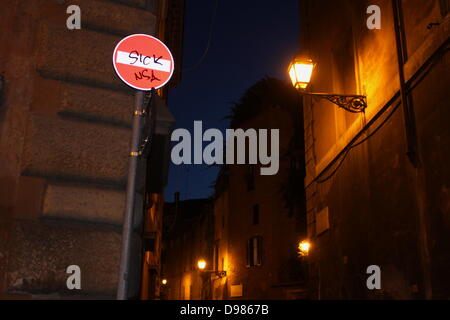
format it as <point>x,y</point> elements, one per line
<point>136,60</point>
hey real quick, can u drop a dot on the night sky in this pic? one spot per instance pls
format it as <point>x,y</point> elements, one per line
<point>251,39</point>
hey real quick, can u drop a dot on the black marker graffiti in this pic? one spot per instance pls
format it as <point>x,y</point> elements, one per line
<point>131,56</point>
<point>157,59</point>
<point>142,58</point>
<point>143,75</point>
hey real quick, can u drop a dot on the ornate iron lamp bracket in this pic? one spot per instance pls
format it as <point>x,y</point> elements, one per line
<point>219,274</point>
<point>351,103</point>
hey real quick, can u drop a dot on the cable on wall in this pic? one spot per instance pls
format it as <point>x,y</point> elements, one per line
<point>208,44</point>
<point>414,81</point>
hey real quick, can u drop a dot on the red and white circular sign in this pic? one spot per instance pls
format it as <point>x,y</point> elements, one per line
<point>143,62</point>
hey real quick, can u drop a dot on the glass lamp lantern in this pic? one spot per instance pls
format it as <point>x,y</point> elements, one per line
<point>300,71</point>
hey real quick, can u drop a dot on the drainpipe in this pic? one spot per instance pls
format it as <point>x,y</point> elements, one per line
<point>412,150</point>
<point>408,112</point>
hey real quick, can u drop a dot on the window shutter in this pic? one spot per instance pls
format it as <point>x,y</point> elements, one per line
<point>249,252</point>
<point>216,255</point>
<point>255,251</point>
<point>258,250</point>
<point>255,217</point>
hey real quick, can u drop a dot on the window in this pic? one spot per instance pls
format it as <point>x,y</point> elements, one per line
<point>149,244</point>
<point>254,251</point>
<point>445,7</point>
<point>250,177</point>
<point>255,215</point>
<point>216,255</point>
<point>149,241</point>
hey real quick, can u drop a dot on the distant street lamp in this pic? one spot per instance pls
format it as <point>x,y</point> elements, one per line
<point>303,247</point>
<point>164,281</point>
<point>300,71</point>
<point>201,264</point>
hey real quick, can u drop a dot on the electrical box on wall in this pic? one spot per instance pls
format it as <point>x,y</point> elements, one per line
<point>236,290</point>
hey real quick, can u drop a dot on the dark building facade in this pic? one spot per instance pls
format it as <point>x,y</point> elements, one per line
<point>156,171</point>
<point>260,219</point>
<point>188,237</point>
<point>377,183</point>
<point>65,128</point>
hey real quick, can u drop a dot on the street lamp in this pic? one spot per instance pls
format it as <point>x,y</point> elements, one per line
<point>303,247</point>
<point>201,264</point>
<point>164,281</point>
<point>300,71</point>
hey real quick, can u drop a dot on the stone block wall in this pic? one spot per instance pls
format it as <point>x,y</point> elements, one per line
<point>65,121</point>
<point>383,209</point>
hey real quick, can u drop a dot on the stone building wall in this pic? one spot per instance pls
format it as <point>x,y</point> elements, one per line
<point>188,237</point>
<point>65,122</point>
<point>280,274</point>
<point>382,208</point>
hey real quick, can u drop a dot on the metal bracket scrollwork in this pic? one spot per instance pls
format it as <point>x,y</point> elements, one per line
<point>351,103</point>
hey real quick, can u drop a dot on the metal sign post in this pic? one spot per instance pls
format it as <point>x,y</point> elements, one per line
<point>144,63</point>
<point>130,198</point>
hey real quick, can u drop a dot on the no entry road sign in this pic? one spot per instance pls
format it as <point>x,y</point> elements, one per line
<point>143,62</point>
